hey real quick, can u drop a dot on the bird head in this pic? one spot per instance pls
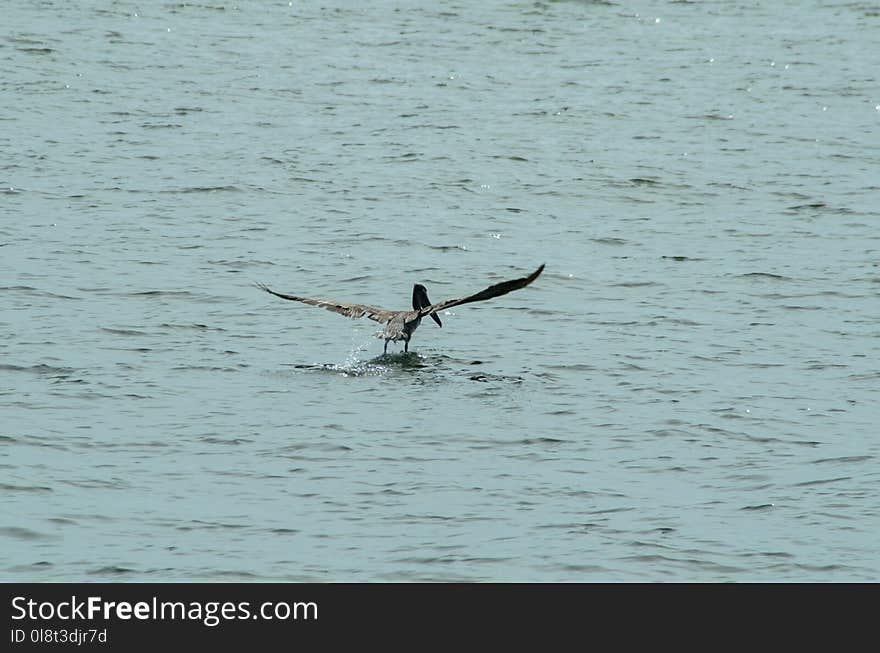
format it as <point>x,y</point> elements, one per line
<point>420,300</point>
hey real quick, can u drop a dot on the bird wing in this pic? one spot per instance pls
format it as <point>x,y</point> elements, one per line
<point>492,291</point>
<point>349,310</point>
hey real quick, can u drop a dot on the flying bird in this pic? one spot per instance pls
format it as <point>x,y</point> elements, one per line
<point>400,325</point>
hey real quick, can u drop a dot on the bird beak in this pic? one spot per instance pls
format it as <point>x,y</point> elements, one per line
<point>437,319</point>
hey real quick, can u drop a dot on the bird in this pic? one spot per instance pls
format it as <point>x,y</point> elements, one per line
<point>400,325</point>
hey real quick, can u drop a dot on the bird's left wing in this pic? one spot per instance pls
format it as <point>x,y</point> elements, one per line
<point>349,310</point>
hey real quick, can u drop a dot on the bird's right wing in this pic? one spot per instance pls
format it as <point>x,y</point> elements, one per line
<point>488,293</point>
<point>349,310</point>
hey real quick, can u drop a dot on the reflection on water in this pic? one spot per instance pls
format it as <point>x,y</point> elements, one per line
<point>382,364</point>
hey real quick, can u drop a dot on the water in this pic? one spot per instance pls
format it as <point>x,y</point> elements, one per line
<point>688,392</point>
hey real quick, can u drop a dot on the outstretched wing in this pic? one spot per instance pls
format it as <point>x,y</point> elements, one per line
<point>492,291</point>
<point>349,310</point>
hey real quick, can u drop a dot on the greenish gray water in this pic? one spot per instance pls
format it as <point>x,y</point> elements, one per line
<point>688,392</point>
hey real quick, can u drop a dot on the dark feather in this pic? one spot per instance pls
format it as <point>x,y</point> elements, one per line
<point>492,291</point>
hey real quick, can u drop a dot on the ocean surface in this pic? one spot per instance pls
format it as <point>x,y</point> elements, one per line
<point>689,392</point>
